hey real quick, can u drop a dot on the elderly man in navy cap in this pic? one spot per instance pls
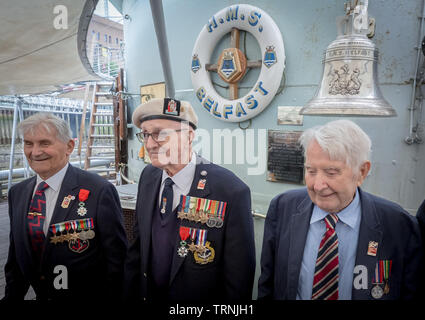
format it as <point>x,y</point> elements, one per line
<point>194,237</point>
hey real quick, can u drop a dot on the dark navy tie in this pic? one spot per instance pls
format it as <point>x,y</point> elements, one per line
<point>167,197</point>
<point>36,217</point>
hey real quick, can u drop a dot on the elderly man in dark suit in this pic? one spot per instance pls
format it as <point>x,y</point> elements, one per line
<point>194,233</point>
<point>67,238</point>
<point>332,240</point>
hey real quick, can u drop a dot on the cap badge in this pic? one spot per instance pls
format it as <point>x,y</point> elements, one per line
<point>171,107</point>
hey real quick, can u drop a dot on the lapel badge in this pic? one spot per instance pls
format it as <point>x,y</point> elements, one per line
<point>204,173</point>
<point>201,184</point>
<point>372,248</point>
<point>66,201</point>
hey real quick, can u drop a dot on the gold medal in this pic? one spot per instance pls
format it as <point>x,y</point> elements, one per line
<point>205,257</point>
<point>192,247</point>
<point>386,287</point>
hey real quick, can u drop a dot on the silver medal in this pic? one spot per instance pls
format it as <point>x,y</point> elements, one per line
<point>90,234</point>
<point>218,222</point>
<point>182,251</point>
<point>211,222</point>
<point>82,235</point>
<point>82,211</point>
<point>377,292</point>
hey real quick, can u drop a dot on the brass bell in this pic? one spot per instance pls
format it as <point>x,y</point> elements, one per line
<point>349,83</point>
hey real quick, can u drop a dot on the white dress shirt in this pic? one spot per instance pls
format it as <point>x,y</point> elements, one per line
<point>182,181</point>
<point>51,193</point>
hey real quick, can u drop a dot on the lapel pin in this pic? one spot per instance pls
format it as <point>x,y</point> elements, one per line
<point>204,173</point>
<point>66,201</point>
<point>201,184</point>
<point>372,248</point>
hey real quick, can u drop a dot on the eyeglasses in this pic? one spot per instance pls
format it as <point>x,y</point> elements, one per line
<point>158,137</point>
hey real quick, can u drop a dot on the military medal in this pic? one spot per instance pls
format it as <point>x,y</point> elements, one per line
<point>387,264</point>
<point>382,275</point>
<point>55,238</point>
<point>164,204</point>
<point>183,207</point>
<point>69,231</point>
<point>372,248</point>
<point>184,234</point>
<point>211,214</point>
<point>220,214</point>
<point>82,196</point>
<point>193,234</point>
<point>201,239</point>
<point>206,256</point>
<point>377,292</point>
<point>204,214</point>
<point>66,201</point>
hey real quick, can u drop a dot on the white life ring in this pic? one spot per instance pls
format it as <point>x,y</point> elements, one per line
<point>264,29</point>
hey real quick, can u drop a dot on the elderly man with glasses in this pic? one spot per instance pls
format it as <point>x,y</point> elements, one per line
<point>194,237</point>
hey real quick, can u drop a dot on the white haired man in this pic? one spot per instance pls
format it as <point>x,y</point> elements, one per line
<point>194,238</point>
<point>333,241</point>
<point>67,238</point>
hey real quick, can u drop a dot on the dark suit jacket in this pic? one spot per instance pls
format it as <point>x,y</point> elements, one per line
<point>94,273</point>
<point>385,222</point>
<point>231,274</point>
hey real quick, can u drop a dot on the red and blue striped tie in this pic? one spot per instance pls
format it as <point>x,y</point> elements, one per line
<point>326,273</point>
<point>36,217</point>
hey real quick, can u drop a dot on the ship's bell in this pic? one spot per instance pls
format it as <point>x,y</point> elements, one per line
<point>349,83</point>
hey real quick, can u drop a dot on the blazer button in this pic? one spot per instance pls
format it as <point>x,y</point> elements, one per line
<point>144,298</point>
<point>145,275</point>
<point>42,278</point>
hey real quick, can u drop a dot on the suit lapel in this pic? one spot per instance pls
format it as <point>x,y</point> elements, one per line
<point>147,207</point>
<point>300,223</point>
<point>194,192</point>
<point>370,230</point>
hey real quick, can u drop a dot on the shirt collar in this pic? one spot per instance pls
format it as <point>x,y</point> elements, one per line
<point>183,179</point>
<point>348,215</point>
<point>55,181</point>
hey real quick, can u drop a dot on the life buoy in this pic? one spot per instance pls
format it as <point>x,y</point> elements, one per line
<point>266,32</point>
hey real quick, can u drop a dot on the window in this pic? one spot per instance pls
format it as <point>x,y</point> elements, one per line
<point>106,38</point>
<point>98,36</point>
<point>109,39</point>
<point>116,40</point>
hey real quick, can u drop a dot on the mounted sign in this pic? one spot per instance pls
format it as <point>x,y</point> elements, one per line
<point>232,63</point>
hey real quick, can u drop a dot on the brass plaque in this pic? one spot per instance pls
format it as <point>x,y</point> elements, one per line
<point>285,159</point>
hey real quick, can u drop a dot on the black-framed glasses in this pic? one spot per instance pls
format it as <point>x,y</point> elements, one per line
<point>158,137</point>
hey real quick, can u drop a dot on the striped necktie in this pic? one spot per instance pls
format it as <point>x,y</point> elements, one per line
<point>325,283</point>
<point>36,217</point>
